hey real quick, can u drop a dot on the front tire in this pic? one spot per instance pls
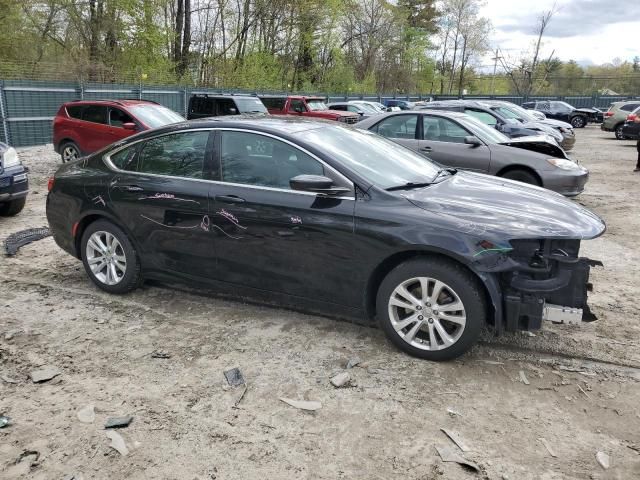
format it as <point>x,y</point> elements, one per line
<point>431,308</point>
<point>110,258</point>
<point>578,121</point>
<point>12,208</point>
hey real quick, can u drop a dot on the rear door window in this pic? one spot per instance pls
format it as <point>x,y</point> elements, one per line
<point>202,106</point>
<point>95,114</point>
<point>226,106</point>
<point>398,126</point>
<point>177,155</point>
<point>297,106</point>
<point>630,107</point>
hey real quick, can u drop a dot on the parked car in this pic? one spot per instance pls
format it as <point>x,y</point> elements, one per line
<point>205,105</point>
<point>506,124</point>
<point>511,110</point>
<point>14,182</point>
<point>85,126</point>
<point>361,110</point>
<point>631,129</point>
<point>377,106</point>
<point>401,104</point>
<point>458,140</point>
<point>615,117</point>
<point>312,107</point>
<point>578,117</point>
<point>331,218</point>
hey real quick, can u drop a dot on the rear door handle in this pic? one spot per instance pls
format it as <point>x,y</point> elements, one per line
<point>229,199</point>
<point>425,149</point>
<point>130,188</point>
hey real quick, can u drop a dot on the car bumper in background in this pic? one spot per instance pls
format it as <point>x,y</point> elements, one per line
<point>14,183</point>
<point>631,131</point>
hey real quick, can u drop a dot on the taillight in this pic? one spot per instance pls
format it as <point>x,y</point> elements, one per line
<point>50,183</point>
<point>632,117</point>
<point>608,114</point>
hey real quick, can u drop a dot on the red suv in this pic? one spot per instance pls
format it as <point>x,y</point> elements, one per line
<point>84,126</point>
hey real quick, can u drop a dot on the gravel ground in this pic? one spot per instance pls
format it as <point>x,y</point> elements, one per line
<point>581,395</point>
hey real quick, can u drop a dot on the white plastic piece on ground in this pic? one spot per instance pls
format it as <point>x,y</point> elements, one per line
<point>560,314</point>
<point>302,404</point>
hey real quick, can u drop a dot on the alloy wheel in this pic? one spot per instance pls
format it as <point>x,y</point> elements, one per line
<point>106,258</point>
<point>69,153</point>
<point>578,122</point>
<point>427,313</point>
<point>619,134</point>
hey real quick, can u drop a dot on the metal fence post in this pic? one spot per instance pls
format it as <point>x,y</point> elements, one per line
<point>3,114</point>
<point>184,101</point>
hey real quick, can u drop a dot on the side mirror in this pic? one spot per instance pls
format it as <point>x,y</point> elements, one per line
<point>298,109</point>
<point>389,109</point>
<point>499,127</point>
<point>129,126</point>
<point>316,184</point>
<point>472,140</point>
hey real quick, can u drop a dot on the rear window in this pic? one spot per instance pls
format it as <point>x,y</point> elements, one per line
<point>630,107</point>
<point>202,105</point>
<point>274,103</point>
<point>95,114</point>
<point>75,111</point>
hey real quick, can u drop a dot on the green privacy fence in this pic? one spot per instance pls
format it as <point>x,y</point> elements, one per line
<point>27,107</point>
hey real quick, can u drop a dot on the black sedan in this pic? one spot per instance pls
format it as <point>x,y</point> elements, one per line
<point>326,217</point>
<point>14,182</point>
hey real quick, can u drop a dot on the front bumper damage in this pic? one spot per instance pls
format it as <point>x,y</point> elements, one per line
<point>541,280</point>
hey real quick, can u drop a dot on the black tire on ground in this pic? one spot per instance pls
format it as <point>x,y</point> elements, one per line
<point>13,207</point>
<point>69,151</point>
<point>579,121</point>
<point>133,275</point>
<point>467,288</point>
<point>618,132</point>
<point>522,176</point>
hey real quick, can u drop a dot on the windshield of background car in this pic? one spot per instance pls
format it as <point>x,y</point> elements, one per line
<point>155,115</point>
<point>523,113</point>
<point>483,131</point>
<point>508,113</point>
<point>382,162</point>
<point>316,105</point>
<point>367,108</point>
<point>250,105</point>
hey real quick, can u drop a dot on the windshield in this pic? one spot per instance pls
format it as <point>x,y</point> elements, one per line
<point>155,115</point>
<point>382,162</point>
<point>523,113</point>
<point>484,132</point>
<point>250,105</point>
<point>508,113</point>
<point>316,105</point>
<point>366,107</point>
<point>379,106</point>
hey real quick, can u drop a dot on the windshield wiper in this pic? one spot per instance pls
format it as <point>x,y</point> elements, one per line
<point>408,186</point>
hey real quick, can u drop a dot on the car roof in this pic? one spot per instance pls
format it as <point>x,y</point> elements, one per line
<point>430,111</point>
<point>457,102</point>
<point>223,95</point>
<point>295,97</point>
<point>121,102</point>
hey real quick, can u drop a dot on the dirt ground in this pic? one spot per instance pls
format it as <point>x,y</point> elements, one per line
<point>527,407</point>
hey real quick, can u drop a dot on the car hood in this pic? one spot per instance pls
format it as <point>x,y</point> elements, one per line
<point>483,205</point>
<point>338,113</point>
<point>586,110</point>
<point>556,123</point>
<point>538,143</point>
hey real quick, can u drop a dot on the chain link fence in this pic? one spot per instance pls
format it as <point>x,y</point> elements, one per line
<point>27,107</point>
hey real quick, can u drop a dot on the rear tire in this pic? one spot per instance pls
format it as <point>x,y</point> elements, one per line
<point>522,176</point>
<point>618,132</point>
<point>12,208</point>
<point>431,308</point>
<point>579,121</point>
<point>110,258</point>
<point>69,151</point>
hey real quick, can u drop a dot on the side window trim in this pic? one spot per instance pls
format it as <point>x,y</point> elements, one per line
<point>209,149</point>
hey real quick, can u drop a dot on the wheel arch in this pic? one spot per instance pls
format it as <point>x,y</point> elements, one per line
<point>62,142</point>
<point>490,287</point>
<point>91,217</point>
<point>526,168</point>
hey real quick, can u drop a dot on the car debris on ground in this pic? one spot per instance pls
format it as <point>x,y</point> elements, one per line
<point>234,377</point>
<point>309,405</point>
<point>342,379</point>
<point>44,374</point>
<point>448,454</point>
<point>86,414</point>
<point>118,422</point>
<point>117,442</point>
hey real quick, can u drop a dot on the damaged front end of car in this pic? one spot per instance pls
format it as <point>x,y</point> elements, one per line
<point>540,279</point>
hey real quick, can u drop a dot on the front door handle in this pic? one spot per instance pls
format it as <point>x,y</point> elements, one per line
<point>130,188</point>
<point>425,149</point>
<point>229,199</point>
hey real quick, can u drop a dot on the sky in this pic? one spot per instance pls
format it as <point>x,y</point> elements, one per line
<point>587,31</point>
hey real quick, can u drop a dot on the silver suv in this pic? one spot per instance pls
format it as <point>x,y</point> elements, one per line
<point>615,117</point>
